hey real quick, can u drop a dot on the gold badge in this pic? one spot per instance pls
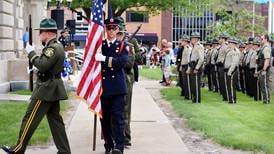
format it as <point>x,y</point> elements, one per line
<point>49,52</point>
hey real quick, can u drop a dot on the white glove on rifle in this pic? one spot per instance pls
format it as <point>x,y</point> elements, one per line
<point>100,57</point>
<point>29,48</point>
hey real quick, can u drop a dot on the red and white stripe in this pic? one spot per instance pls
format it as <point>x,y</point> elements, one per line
<point>90,85</point>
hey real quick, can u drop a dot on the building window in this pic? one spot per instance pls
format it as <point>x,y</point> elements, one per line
<point>136,16</point>
<point>188,23</point>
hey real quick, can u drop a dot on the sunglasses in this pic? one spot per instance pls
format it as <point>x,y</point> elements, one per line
<point>112,27</point>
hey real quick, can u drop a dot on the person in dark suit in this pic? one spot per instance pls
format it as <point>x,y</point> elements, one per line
<point>48,92</point>
<point>113,59</point>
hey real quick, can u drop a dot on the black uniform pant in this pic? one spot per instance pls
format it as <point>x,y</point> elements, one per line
<point>249,74</point>
<point>209,78</point>
<point>180,73</point>
<point>186,83</point>
<point>112,111</point>
<point>195,86</point>
<point>231,87</point>
<point>254,90</point>
<point>242,79</point>
<point>35,113</point>
<point>222,80</point>
<point>214,76</point>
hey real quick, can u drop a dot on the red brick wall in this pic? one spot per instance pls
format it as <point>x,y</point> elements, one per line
<point>166,26</point>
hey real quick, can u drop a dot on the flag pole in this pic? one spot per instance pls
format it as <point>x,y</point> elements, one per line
<point>94,132</point>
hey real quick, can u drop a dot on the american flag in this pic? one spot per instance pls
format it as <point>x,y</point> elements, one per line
<point>90,85</point>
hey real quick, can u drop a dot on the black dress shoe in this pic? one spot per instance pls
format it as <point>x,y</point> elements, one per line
<point>127,144</point>
<point>7,149</point>
<point>108,151</point>
<point>116,151</point>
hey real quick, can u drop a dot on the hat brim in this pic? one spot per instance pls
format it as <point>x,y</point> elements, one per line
<point>195,36</point>
<point>234,42</point>
<point>52,28</point>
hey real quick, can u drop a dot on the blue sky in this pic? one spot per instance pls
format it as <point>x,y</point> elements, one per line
<point>262,1</point>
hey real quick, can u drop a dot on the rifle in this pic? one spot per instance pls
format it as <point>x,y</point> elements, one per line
<point>137,30</point>
<point>30,64</point>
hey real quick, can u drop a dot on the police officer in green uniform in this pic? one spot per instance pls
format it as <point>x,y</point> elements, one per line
<point>195,67</point>
<point>48,92</point>
<point>231,62</point>
<point>129,75</point>
<point>263,65</point>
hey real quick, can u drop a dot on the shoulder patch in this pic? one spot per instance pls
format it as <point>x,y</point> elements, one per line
<point>127,48</point>
<point>49,52</point>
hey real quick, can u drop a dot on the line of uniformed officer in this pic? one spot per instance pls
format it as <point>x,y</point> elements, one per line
<point>231,66</point>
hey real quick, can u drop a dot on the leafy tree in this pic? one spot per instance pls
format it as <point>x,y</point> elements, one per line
<point>238,22</point>
<point>149,6</point>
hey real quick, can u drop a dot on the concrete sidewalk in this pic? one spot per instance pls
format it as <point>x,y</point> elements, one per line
<point>152,133</point>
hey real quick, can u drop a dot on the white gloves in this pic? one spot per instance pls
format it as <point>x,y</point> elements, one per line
<point>29,48</point>
<point>100,57</point>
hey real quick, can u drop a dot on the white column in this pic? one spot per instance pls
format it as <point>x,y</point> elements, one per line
<point>270,17</point>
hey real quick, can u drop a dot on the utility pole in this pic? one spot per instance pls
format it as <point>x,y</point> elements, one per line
<point>253,19</point>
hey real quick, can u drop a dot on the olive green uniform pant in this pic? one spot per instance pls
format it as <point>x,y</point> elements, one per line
<point>37,109</point>
<point>264,86</point>
<point>128,102</point>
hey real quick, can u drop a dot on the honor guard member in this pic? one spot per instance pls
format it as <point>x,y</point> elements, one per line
<point>231,62</point>
<point>48,92</point>
<point>136,46</point>
<point>263,67</point>
<point>195,67</point>
<point>246,62</point>
<point>208,54</point>
<point>213,69</point>
<point>253,72</point>
<point>129,75</point>
<point>220,63</point>
<point>241,67</point>
<point>184,65</point>
<point>113,60</point>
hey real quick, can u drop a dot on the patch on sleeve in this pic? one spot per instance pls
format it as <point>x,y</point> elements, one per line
<point>49,52</point>
<point>128,48</point>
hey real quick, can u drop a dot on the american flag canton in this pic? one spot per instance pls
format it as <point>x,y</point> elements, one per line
<point>97,12</point>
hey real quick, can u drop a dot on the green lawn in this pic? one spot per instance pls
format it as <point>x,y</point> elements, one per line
<point>11,115</point>
<point>151,73</point>
<point>247,125</point>
<point>22,92</point>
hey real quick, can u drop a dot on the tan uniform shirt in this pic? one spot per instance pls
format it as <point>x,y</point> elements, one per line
<point>253,59</point>
<point>221,54</point>
<point>208,56</point>
<point>231,60</point>
<point>185,55</point>
<point>213,56</point>
<point>197,55</point>
<point>248,56</point>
